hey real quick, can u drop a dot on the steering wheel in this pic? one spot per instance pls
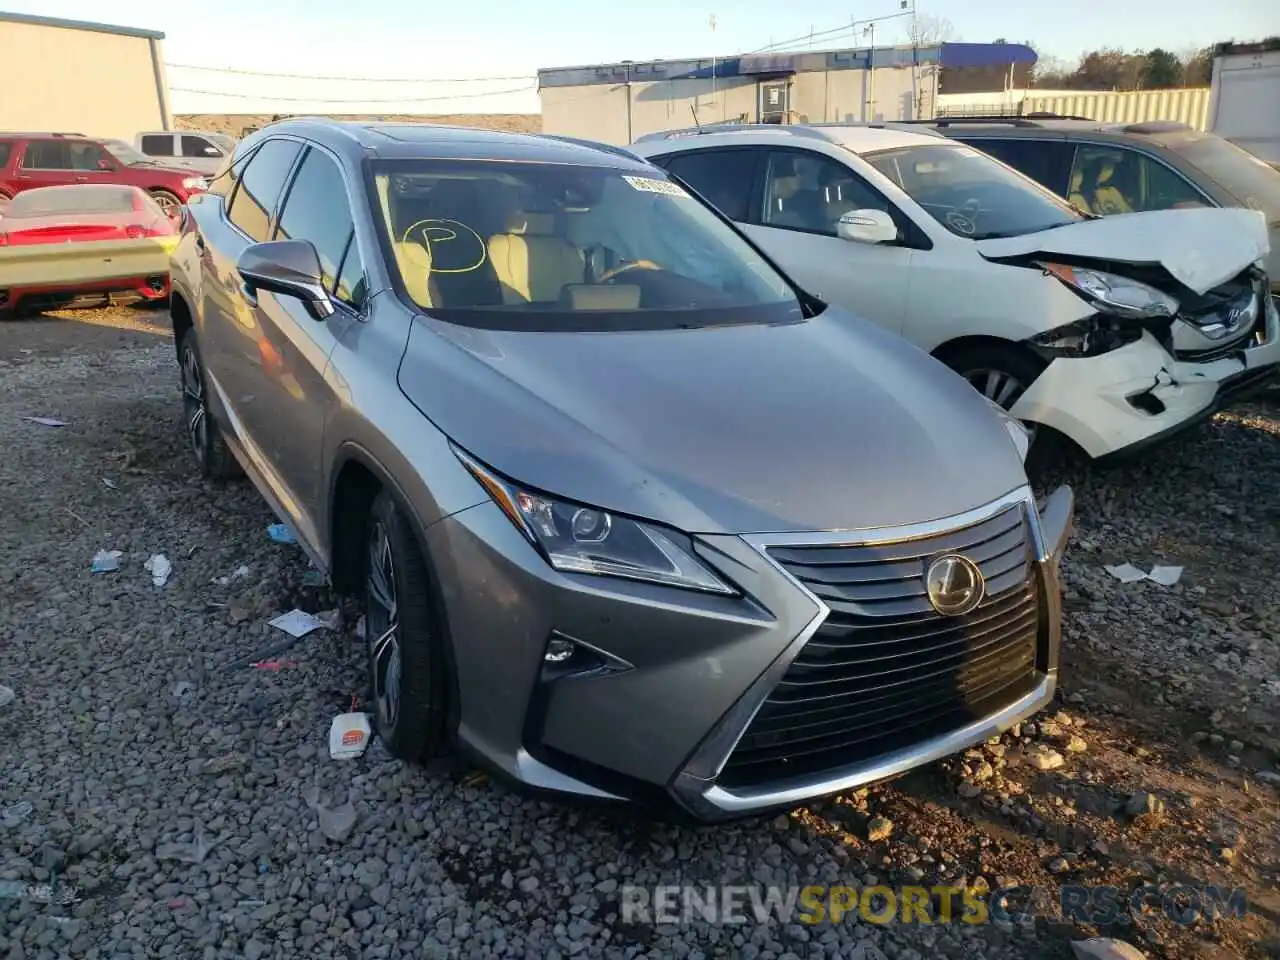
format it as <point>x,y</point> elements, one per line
<point>964,217</point>
<point>623,268</point>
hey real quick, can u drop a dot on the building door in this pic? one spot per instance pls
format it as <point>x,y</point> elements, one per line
<point>774,101</point>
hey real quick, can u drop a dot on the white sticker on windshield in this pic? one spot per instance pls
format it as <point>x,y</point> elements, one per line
<point>966,152</point>
<point>650,185</point>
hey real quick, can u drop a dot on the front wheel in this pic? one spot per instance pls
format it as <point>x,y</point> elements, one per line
<point>168,202</point>
<point>405,651</point>
<point>1003,374</point>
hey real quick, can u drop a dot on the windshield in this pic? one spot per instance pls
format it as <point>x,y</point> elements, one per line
<point>125,152</point>
<point>87,198</point>
<point>971,194</point>
<point>1249,179</point>
<point>533,245</point>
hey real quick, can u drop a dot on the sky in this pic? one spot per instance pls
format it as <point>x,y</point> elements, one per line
<point>508,40</point>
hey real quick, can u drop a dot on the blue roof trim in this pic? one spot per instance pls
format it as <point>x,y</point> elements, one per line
<point>962,55</point>
<point>749,65</point>
<point>80,25</point>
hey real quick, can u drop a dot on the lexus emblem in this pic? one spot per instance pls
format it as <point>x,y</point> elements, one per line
<point>955,585</point>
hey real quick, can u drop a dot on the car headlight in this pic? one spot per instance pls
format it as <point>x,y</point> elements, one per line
<point>1093,336</point>
<point>1121,296</point>
<point>195,183</point>
<point>576,538</point>
<point>1014,427</point>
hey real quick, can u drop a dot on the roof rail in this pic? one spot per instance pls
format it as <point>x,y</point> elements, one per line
<point>791,129</point>
<point>1156,126</point>
<point>906,126</point>
<point>594,145</point>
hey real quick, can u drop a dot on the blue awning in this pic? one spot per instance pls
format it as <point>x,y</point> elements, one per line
<point>986,54</point>
<point>758,63</point>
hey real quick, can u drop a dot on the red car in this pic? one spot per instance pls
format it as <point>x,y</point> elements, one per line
<point>30,160</point>
<point>74,246</point>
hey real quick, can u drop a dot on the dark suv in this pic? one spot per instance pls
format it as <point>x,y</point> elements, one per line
<point>59,159</point>
<point>1121,168</point>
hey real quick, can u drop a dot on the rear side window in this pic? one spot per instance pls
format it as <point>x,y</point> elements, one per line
<point>225,182</point>
<point>1044,161</point>
<point>6,151</point>
<point>158,145</point>
<point>259,187</point>
<point>316,209</point>
<point>199,147</point>
<point>725,178</point>
<point>1107,180</point>
<point>47,155</point>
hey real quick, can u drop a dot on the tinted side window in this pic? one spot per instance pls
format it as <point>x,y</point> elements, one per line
<point>259,189</point>
<point>6,151</point>
<point>807,191</point>
<point>1044,161</point>
<point>316,209</point>
<point>1107,180</point>
<point>350,288</point>
<point>47,155</point>
<point>158,145</point>
<point>724,177</point>
<point>199,147</point>
<point>225,182</point>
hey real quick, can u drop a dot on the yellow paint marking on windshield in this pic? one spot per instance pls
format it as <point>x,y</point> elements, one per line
<point>434,231</point>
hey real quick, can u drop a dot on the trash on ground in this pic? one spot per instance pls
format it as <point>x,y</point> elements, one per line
<point>37,892</point>
<point>159,567</point>
<point>1128,573</point>
<point>1105,948</point>
<point>46,421</point>
<point>193,852</point>
<point>109,484</point>
<point>7,696</point>
<point>313,578</point>
<point>239,573</point>
<point>297,623</point>
<point>106,561</point>
<point>332,619</point>
<point>274,666</point>
<point>183,688</point>
<point>280,533</point>
<point>10,817</point>
<point>349,735</point>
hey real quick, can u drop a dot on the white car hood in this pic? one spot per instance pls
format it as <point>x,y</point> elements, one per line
<point>1201,248</point>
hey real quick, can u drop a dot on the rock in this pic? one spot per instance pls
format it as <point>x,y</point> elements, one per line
<point>1267,776</point>
<point>1104,948</point>
<point>879,828</point>
<point>1076,744</point>
<point>1059,865</point>
<point>1141,803</point>
<point>529,884</point>
<point>1043,758</point>
<point>968,790</point>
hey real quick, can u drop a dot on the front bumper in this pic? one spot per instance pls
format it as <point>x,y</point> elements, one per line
<point>1119,400</point>
<point>673,678</point>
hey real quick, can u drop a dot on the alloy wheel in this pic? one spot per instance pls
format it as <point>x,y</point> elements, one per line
<point>168,204</point>
<point>382,626</point>
<point>193,403</point>
<point>999,386</point>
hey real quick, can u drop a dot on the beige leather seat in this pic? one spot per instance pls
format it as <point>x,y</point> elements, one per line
<point>1075,195</point>
<point>415,267</point>
<point>1106,195</point>
<point>532,263</point>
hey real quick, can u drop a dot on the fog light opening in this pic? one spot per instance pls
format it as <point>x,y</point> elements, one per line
<point>564,656</point>
<point>560,651</point>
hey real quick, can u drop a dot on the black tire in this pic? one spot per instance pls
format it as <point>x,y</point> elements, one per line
<point>404,650</point>
<point>216,462</point>
<point>168,201</point>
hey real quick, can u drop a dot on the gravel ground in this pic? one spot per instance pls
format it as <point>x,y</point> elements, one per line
<point>176,793</point>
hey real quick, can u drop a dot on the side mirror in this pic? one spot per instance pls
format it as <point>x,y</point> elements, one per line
<point>290,268</point>
<point>867,226</point>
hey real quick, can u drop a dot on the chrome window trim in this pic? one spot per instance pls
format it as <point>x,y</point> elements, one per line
<point>695,784</point>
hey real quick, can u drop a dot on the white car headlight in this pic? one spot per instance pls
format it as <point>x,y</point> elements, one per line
<point>195,183</point>
<point>579,539</point>
<point>1114,294</point>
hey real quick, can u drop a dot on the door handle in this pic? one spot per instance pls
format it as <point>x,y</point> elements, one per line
<point>82,179</point>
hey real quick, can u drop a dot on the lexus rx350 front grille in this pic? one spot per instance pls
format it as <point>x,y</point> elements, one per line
<point>885,671</point>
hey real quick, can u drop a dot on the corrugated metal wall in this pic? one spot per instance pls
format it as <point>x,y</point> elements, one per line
<point>1189,105</point>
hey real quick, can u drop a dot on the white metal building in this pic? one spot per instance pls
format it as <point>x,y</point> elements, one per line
<point>618,102</point>
<point>80,77</point>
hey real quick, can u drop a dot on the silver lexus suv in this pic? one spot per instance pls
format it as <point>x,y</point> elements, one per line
<point>631,515</point>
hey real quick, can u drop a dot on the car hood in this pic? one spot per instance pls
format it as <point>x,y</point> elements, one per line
<point>1200,248</point>
<point>826,424</point>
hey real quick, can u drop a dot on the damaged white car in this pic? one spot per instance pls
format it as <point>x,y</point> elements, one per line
<point>1115,332</point>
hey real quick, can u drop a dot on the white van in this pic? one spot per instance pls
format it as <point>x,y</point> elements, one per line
<point>202,152</point>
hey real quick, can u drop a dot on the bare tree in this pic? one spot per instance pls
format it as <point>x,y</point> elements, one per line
<point>928,31</point>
